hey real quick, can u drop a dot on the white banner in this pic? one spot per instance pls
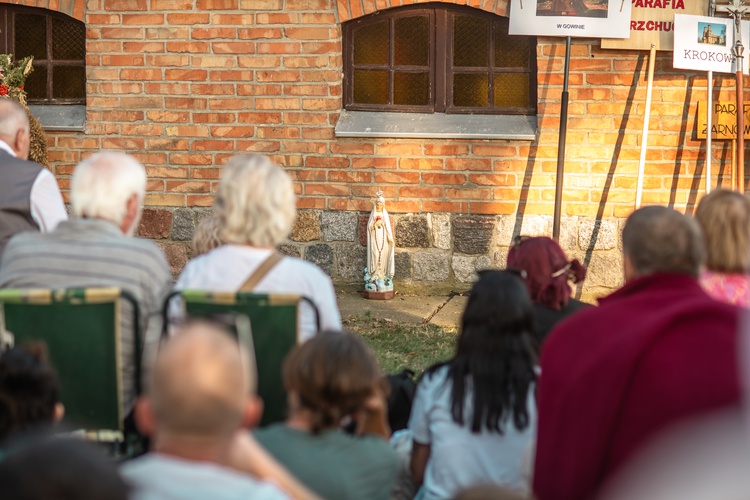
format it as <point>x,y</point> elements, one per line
<point>576,18</point>
<point>705,43</point>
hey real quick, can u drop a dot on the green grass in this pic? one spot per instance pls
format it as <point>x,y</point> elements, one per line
<point>398,345</point>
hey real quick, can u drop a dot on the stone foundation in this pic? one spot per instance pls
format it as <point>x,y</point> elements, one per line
<point>435,253</point>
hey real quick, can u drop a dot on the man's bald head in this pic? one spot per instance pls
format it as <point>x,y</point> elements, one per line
<point>660,239</point>
<point>14,127</point>
<point>199,385</point>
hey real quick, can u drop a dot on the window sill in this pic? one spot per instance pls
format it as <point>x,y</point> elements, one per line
<point>60,117</point>
<point>435,126</point>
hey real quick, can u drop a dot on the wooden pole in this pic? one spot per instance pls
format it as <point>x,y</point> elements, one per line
<point>740,128</point>
<point>644,134</point>
<point>734,163</point>
<point>709,122</point>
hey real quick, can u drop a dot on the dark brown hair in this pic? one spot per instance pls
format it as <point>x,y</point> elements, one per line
<point>333,374</point>
<point>29,389</point>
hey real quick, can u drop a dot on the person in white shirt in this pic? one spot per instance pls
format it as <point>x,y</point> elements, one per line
<point>474,418</point>
<point>256,206</point>
<point>30,198</point>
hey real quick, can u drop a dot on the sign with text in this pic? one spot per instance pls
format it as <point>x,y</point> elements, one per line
<point>576,18</point>
<point>705,43</point>
<point>724,123</point>
<point>652,22</point>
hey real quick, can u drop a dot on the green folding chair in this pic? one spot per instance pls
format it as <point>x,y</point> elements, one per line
<point>273,320</point>
<point>82,330</point>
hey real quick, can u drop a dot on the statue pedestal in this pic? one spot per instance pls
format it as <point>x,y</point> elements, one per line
<point>387,295</point>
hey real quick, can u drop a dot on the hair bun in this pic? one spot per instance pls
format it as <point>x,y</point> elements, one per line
<point>577,271</point>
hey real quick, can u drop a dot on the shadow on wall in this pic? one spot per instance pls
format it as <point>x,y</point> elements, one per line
<point>612,166</point>
<point>699,166</point>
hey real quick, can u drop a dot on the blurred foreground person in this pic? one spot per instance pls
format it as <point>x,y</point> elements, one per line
<point>474,417</point>
<point>548,273</point>
<point>330,378</point>
<point>724,217</point>
<point>655,352</point>
<point>255,207</point>
<point>706,458</point>
<point>199,398</point>
<point>59,469</point>
<point>29,392</point>
<point>96,249</point>
<point>30,198</point>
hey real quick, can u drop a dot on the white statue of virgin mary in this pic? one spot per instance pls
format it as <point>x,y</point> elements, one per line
<point>380,248</point>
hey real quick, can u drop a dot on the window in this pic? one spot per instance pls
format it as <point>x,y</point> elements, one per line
<point>438,58</point>
<point>58,44</point>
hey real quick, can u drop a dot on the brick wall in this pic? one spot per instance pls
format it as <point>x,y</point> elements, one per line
<point>185,84</point>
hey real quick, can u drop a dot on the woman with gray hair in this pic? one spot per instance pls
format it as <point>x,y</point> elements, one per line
<point>256,206</point>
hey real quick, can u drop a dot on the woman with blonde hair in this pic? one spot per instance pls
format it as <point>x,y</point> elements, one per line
<point>255,207</point>
<point>724,217</point>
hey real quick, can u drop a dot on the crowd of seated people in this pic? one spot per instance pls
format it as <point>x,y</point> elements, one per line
<point>545,396</point>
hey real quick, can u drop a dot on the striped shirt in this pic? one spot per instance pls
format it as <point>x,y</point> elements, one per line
<point>95,253</point>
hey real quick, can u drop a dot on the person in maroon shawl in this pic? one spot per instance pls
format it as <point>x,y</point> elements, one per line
<point>655,352</point>
<point>548,273</point>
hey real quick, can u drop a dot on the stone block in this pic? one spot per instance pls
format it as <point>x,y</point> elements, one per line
<point>568,233</point>
<point>504,230</point>
<point>321,255</point>
<point>465,267</point>
<point>499,259</point>
<point>430,266</point>
<point>176,254</point>
<point>290,250</point>
<point>402,261</point>
<point>604,270</point>
<point>412,232</point>
<point>472,235</point>
<point>351,260</point>
<point>306,227</point>
<point>155,224</point>
<point>363,219</point>
<point>339,226</point>
<point>597,234</point>
<point>183,224</point>
<point>536,225</point>
<point>441,231</point>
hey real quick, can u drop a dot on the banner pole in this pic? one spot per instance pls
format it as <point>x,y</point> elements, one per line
<point>738,50</point>
<point>709,122</point>
<point>561,145</point>
<point>644,135</point>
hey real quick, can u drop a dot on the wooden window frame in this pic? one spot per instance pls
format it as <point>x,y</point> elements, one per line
<point>440,55</point>
<point>7,46</point>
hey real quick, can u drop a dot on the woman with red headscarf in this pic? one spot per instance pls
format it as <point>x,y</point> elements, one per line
<point>547,271</point>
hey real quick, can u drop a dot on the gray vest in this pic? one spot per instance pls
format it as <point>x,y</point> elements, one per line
<point>16,180</point>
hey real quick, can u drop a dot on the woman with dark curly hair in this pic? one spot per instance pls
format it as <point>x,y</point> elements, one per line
<point>474,416</point>
<point>548,273</point>
<point>330,379</point>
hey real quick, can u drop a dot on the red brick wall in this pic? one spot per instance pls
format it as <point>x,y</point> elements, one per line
<point>184,84</point>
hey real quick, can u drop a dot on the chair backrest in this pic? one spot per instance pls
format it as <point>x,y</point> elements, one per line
<point>273,319</point>
<point>81,328</point>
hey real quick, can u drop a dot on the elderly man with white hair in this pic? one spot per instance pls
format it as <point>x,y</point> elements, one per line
<point>30,198</point>
<point>96,249</point>
<point>256,207</point>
